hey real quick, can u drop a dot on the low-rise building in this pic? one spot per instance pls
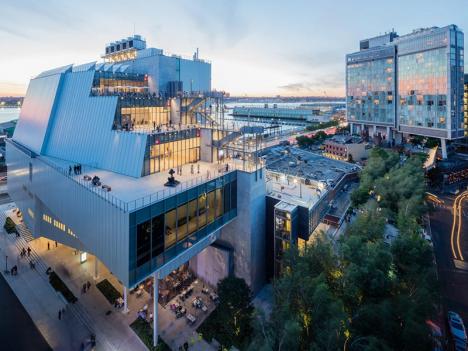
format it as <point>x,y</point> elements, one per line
<point>345,148</point>
<point>301,188</point>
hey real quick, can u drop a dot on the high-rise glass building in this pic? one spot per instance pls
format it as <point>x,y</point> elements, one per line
<point>465,104</point>
<point>410,84</point>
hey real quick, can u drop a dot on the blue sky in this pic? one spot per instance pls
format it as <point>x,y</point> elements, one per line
<point>257,47</point>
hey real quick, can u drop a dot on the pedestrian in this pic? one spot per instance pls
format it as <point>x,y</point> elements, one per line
<point>198,168</point>
<point>56,245</point>
<point>48,245</point>
<point>60,314</point>
<point>69,170</point>
<point>88,285</point>
<point>191,169</point>
<point>29,251</point>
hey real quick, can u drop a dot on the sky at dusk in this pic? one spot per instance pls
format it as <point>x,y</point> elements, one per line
<point>256,47</point>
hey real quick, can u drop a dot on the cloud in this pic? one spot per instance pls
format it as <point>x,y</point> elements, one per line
<point>222,21</point>
<point>322,84</point>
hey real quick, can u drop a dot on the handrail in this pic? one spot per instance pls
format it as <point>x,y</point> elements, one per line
<point>133,205</point>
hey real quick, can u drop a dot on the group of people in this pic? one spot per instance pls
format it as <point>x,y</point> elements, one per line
<point>61,312</point>
<point>48,245</point>
<point>85,287</point>
<point>14,270</point>
<point>23,252</point>
<point>76,169</point>
<point>192,169</point>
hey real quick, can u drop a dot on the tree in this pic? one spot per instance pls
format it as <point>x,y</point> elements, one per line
<point>233,316</point>
<point>306,312</point>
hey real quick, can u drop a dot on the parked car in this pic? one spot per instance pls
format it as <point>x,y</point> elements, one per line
<point>457,329</point>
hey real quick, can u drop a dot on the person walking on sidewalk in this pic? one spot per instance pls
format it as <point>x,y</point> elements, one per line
<point>29,251</point>
<point>60,314</point>
<point>48,245</point>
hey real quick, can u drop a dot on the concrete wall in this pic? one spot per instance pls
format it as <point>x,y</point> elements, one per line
<point>212,265</point>
<point>206,140</point>
<point>246,233</point>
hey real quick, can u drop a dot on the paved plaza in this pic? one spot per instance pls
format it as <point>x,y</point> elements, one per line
<point>92,313</point>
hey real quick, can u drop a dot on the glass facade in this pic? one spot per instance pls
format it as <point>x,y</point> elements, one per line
<point>370,88</point>
<point>112,83</point>
<point>423,86</point>
<point>146,117</point>
<point>285,224</point>
<point>169,150</point>
<point>425,95</point>
<point>163,230</point>
<point>465,104</point>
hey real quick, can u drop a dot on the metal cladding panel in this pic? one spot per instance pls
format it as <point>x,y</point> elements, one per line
<point>36,111</point>
<point>195,75</point>
<point>125,153</point>
<point>81,130</point>
<point>18,175</point>
<point>102,229</point>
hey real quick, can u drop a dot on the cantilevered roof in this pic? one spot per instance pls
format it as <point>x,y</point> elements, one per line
<point>57,70</point>
<point>84,67</point>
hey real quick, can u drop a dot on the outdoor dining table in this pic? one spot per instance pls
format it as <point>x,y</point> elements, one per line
<point>191,318</point>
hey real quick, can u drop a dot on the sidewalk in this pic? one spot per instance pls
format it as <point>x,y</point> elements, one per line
<point>40,300</point>
<point>90,314</point>
<point>112,331</point>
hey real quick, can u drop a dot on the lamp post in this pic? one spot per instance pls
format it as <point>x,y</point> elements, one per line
<point>6,264</point>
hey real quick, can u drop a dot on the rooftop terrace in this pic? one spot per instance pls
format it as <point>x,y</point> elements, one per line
<point>130,193</point>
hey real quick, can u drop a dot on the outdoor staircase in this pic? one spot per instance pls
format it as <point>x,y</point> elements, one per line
<point>41,267</point>
<point>196,102</point>
<point>227,139</point>
<point>24,232</point>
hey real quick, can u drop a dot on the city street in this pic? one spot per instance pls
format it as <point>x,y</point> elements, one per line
<point>18,331</point>
<point>450,245</point>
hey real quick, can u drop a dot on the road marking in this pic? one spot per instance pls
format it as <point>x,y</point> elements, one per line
<point>456,226</point>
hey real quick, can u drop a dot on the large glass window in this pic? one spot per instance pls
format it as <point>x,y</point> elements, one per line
<point>164,156</point>
<point>177,221</point>
<point>143,242</point>
<point>157,235</point>
<point>370,91</point>
<point>422,86</point>
<point>171,228</point>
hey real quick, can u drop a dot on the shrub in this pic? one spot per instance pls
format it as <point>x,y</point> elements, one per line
<point>9,226</point>
<point>61,287</point>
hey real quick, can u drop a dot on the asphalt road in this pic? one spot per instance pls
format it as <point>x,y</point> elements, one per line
<point>17,330</point>
<point>453,279</point>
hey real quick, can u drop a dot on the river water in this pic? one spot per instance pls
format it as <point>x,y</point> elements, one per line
<point>8,114</point>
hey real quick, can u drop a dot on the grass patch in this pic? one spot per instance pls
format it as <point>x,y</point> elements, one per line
<point>108,290</point>
<point>60,286</point>
<point>9,226</point>
<point>145,332</point>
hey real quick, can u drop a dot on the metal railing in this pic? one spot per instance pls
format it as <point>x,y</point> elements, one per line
<point>133,205</point>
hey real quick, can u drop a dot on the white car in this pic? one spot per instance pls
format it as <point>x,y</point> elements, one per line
<point>458,331</point>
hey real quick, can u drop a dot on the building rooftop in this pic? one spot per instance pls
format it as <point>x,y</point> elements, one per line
<point>307,165</point>
<point>131,193</point>
<point>301,177</point>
